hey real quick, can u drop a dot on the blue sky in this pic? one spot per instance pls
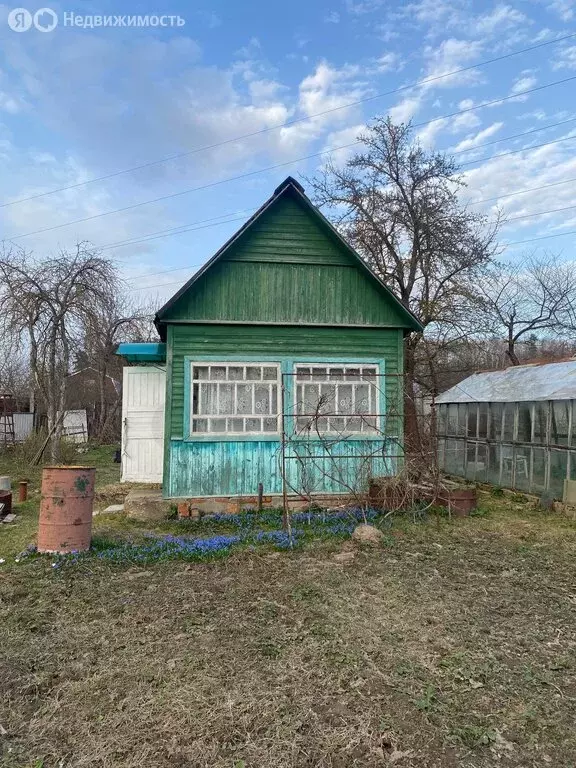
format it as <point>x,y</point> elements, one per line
<point>76,104</point>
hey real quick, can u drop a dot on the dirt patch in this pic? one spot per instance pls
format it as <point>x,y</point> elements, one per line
<point>450,646</point>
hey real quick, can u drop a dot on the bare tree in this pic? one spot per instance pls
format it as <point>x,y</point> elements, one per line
<point>50,302</point>
<point>398,205</point>
<point>534,294</point>
<point>115,319</point>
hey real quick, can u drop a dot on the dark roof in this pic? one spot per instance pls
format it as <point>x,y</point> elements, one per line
<point>292,187</point>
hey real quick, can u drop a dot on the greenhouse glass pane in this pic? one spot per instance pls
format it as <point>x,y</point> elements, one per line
<point>441,444</point>
<point>508,430</point>
<point>525,422</point>
<point>470,468</point>
<point>472,422</point>
<point>541,422</point>
<point>481,463</point>
<point>507,457</point>
<point>538,470</point>
<point>522,468</point>
<point>462,418</point>
<point>495,425</point>
<point>558,466</point>
<point>483,420</point>
<point>559,420</point>
<point>455,456</point>
<point>572,465</point>
<point>493,471</point>
<point>452,420</point>
<point>441,419</point>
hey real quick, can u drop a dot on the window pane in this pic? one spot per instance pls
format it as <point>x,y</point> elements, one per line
<point>525,422</point>
<point>507,453</point>
<point>522,469</point>
<point>538,470</point>
<point>270,425</point>
<point>236,373</point>
<point>209,398</point>
<point>226,399</point>
<point>200,425</point>
<point>253,373</point>
<point>493,472</point>
<point>452,419</point>
<point>472,424</point>
<point>559,422</point>
<point>200,373</point>
<point>262,398</point>
<point>345,404</point>
<point>483,420</point>
<point>558,467</point>
<point>495,422</point>
<point>253,425</point>
<point>541,422</point>
<point>243,398</point>
<point>362,399</point>
<point>236,425</point>
<point>508,433</point>
<point>217,373</point>
<point>481,463</point>
<point>441,420</point>
<point>217,425</point>
<point>270,374</point>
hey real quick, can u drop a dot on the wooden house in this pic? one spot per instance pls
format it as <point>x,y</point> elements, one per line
<point>281,364</point>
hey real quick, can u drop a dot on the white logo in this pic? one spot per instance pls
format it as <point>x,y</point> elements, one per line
<point>45,20</point>
<point>20,20</point>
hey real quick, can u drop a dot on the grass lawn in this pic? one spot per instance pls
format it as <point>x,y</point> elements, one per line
<point>449,645</point>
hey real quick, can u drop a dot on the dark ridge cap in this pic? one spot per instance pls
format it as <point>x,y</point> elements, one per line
<point>289,180</point>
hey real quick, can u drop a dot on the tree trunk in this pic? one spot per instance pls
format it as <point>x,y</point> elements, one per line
<point>412,437</point>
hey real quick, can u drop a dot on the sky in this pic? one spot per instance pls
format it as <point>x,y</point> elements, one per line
<point>78,104</point>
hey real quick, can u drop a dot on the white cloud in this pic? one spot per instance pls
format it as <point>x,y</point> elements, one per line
<point>502,18</point>
<point>566,58</point>
<point>523,83</point>
<point>332,18</point>
<point>405,109</point>
<point>428,135</point>
<point>470,142</point>
<point>530,170</point>
<point>564,9</point>
<point>452,54</point>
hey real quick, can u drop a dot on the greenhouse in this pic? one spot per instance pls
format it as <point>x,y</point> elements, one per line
<point>514,428</point>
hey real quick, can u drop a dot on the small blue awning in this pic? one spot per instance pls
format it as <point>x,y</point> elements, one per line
<point>143,353</point>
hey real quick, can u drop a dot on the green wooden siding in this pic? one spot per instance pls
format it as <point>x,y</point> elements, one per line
<point>287,268</point>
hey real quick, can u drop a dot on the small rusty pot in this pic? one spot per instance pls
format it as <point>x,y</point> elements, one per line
<point>462,501</point>
<point>65,523</point>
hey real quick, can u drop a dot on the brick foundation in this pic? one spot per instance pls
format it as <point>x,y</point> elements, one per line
<point>198,506</point>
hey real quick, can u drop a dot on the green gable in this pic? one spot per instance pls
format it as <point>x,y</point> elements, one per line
<point>287,265</point>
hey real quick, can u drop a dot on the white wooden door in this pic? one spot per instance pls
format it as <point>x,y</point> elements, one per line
<point>143,395</point>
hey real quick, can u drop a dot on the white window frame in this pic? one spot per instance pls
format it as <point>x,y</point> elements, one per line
<point>235,364</point>
<point>373,412</point>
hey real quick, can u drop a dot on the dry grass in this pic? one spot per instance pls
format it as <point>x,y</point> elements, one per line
<point>446,647</point>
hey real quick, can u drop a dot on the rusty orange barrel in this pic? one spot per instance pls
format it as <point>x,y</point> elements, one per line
<point>66,509</point>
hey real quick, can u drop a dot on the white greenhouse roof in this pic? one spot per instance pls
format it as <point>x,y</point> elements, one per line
<point>521,383</point>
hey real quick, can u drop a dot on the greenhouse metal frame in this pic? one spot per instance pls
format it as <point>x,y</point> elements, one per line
<point>526,446</point>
